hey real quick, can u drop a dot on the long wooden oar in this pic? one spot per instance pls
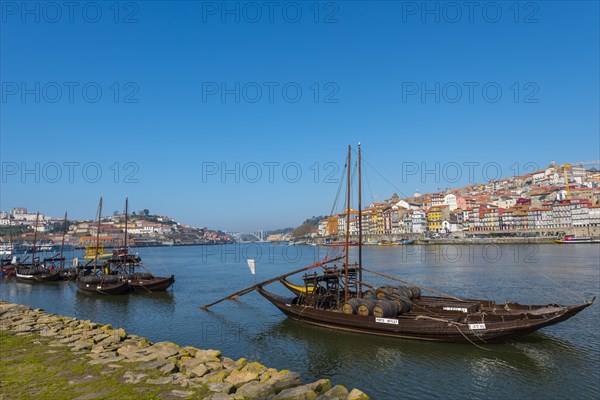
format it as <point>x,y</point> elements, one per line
<point>253,287</point>
<point>412,284</point>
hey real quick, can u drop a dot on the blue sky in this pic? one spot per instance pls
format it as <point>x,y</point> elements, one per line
<point>190,89</point>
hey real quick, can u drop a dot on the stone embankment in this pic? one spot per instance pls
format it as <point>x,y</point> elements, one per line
<point>192,372</point>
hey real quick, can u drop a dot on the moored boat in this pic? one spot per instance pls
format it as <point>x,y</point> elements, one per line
<point>102,284</point>
<point>571,239</point>
<point>487,323</point>
<point>148,282</point>
<point>101,280</point>
<point>127,265</point>
<point>36,274</point>
<point>36,271</point>
<point>339,298</point>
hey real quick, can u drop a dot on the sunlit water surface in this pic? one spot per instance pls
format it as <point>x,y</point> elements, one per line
<point>561,361</point>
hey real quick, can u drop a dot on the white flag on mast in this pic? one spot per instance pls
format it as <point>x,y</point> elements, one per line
<point>251,266</point>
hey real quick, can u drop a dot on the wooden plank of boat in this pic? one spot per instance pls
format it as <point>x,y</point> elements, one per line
<point>154,284</point>
<point>39,276</point>
<point>104,288</point>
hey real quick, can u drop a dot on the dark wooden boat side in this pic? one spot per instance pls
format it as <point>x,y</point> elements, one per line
<point>44,276</point>
<point>423,326</point>
<point>154,284</point>
<point>103,288</point>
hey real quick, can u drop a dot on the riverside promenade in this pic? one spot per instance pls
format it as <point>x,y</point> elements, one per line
<point>48,356</point>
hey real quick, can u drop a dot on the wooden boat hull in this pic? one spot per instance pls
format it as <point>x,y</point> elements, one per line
<point>156,284</point>
<point>39,277</point>
<point>427,327</point>
<point>103,288</point>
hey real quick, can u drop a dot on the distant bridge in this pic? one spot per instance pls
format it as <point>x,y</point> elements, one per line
<point>259,236</point>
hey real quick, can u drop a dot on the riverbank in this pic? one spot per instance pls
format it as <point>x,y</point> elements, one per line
<point>390,241</point>
<point>487,240</point>
<point>48,356</point>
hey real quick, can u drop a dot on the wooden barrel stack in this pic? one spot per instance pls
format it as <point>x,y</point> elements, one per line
<point>387,302</point>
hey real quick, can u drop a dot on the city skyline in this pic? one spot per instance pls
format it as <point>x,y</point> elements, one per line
<point>214,132</point>
<point>496,194</point>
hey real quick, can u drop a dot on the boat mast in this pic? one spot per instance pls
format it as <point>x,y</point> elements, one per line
<point>10,238</point>
<point>347,231</point>
<point>62,244</point>
<point>97,236</point>
<point>37,217</point>
<point>126,210</point>
<point>359,226</point>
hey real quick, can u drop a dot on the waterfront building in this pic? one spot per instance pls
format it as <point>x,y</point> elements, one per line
<point>561,214</point>
<point>322,227</point>
<point>332,226</point>
<point>594,215</point>
<point>419,221</point>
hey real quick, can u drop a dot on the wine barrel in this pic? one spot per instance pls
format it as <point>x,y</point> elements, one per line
<point>366,307</point>
<point>383,296</point>
<point>369,294</point>
<point>404,304</point>
<point>89,279</point>
<point>416,292</point>
<point>110,279</point>
<point>351,306</point>
<point>403,291</point>
<point>385,309</point>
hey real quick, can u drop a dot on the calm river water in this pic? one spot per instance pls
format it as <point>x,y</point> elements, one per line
<point>562,361</point>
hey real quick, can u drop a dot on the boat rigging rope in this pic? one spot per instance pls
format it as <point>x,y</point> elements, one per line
<point>413,284</point>
<point>383,177</point>
<point>555,282</point>
<point>472,342</point>
<point>456,325</point>
<point>364,172</point>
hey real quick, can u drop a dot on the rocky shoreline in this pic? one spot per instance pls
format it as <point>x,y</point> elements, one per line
<point>195,373</point>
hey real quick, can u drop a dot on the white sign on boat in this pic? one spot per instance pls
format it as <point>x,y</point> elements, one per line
<point>387,321</point>
<point>476,326</point>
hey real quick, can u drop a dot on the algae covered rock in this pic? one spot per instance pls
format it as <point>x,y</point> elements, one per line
<point>337,392</point>
<point>254,367</point>
<point>255,389</point>
<point>297,393</point>
<point>240,378</point>
<point>321,386</point>
<point>356,394</point>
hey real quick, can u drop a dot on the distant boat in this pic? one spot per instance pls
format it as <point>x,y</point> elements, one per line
<point>571,239</point>
<point>404,241</point>
<point>37,274</point>
<point>342,244</point>
<point>128,267</point>
<point>101,280</point>
<point>36,271</point>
